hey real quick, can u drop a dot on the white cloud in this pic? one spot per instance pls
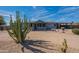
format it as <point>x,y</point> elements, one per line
<point>63,14</point>
<point>46,16</point>
<point>5,13</point>
<point>69,9</point>
<point>39,13</point>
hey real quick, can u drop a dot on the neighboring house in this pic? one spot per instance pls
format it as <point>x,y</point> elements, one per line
<point>4,27</point>
<point>75,25</point>
<point>41,25</point>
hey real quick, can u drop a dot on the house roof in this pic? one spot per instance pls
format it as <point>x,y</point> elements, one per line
<point>39,21</point>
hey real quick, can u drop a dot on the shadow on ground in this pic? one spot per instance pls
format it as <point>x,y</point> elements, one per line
<point>31,44</point>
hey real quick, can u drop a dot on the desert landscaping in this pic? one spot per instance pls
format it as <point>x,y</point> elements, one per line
<point>22,33</point>
<point>41,42</point>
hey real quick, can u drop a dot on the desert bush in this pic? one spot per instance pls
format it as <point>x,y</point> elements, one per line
<point>75,31</point>
<point>64,46</point>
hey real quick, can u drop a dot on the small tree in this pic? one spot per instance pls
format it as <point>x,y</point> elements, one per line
<point>19,28</point>
<point>2,20</point>
<point>65,46</point>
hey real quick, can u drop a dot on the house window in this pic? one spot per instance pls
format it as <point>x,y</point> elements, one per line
<point>40,25</point>
<point>43,25</point>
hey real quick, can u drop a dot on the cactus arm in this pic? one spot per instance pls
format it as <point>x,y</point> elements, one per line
<point>65,46</point>
<point>11,34</point>
<point>25,33</point>
<point>25,25</point>
<point>14,30</point>
<point>13,25</point>
<point>65,43</point>
<point>19,30</point>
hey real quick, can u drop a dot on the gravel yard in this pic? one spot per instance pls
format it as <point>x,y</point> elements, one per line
<point>41,41</point>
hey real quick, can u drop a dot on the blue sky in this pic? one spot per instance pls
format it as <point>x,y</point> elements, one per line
<point>45,13</point>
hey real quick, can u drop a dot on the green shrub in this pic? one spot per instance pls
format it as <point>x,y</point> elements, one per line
<point>75,31</point>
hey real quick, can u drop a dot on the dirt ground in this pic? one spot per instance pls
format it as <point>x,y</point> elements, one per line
<point>41,42</point>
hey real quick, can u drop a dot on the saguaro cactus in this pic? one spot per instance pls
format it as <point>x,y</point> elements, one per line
<point>19,28</point>
<point>65,46</point>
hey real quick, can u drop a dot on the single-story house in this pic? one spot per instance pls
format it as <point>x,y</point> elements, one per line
<point>41,25</point>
